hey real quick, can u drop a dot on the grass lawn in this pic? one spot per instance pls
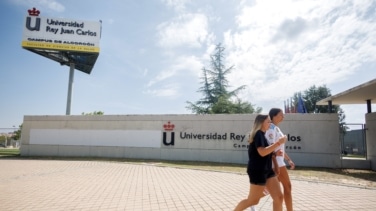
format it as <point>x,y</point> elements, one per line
<point>9,151</point>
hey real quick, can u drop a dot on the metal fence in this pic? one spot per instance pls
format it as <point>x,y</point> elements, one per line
<point>353,141</point>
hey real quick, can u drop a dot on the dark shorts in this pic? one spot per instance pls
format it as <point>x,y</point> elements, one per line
<point>259,177</point>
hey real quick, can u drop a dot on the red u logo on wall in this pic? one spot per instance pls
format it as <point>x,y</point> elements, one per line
<point>33,12</point>
<point>35,27</point>
<point>168,127</point>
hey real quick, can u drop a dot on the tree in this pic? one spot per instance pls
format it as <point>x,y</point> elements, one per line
<point>3,138</point>
<point>216,97</point>
<point>17,133</point>
<point>313,95</point>
<point>93,113</point>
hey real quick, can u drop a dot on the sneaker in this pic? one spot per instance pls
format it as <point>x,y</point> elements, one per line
<point>252,208</point>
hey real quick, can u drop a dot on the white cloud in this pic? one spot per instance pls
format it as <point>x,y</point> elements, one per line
<point>278,48</point>
<point>189,63</point>
<point>188,30</point>
<point>293,45</point>
<point>164,74</point>
<point>178,5</point>
<point>181,64</point>
<point>167,90</point>
<point>52,5</point>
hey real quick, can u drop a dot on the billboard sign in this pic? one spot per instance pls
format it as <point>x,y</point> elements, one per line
<point>60,34</point>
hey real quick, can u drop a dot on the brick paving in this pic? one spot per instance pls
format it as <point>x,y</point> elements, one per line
<point>98,185</point>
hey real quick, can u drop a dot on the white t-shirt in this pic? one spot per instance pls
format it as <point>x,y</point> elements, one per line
<point>272,135</point>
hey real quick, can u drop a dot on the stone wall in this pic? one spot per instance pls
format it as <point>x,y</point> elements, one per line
<point>313,138</point>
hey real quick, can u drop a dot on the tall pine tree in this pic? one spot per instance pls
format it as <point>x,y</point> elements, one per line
<point>216,97</point>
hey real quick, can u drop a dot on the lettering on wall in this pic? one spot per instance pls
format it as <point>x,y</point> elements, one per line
<point>293,143</point>
<point>240,141</point>
<point>168,137</point>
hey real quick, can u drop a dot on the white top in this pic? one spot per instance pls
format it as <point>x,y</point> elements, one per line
<point>272,135</point>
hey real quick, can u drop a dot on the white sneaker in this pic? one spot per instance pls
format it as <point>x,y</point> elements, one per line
<point>252,208</point>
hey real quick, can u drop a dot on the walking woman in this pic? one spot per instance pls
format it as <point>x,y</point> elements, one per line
<point>272,135</point>
<point>259,167</point>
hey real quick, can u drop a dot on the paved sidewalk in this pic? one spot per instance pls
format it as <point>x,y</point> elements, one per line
<point>98,185</point>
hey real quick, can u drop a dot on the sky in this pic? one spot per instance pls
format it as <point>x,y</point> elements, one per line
<point>152,53</point>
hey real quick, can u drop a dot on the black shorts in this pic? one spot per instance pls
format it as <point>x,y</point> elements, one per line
<point>259,177</point>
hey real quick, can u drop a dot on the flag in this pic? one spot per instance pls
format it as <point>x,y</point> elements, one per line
<point>301,106</point>
<point>285,106</point>
<point>293,106</point>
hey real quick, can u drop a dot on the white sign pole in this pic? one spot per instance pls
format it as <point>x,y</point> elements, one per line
<point>70,87</point>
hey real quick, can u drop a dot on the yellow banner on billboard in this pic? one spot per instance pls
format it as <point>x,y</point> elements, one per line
<point>61,47</point>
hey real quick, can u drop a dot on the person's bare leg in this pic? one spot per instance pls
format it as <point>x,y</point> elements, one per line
<point>264,193</point>
<point>274,189</point>
<point>286,183</point>
<point>255,193</point>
